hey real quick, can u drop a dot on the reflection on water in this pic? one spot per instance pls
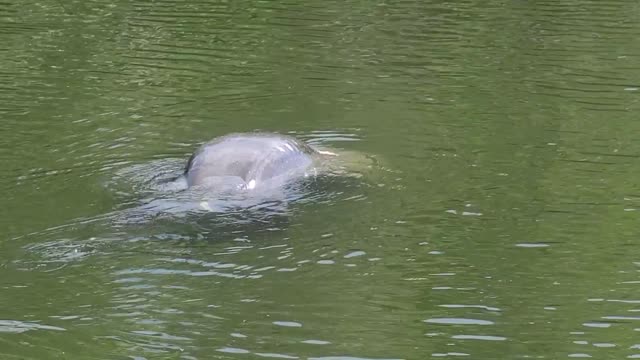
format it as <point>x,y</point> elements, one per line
<point>13,326</point>
<point>502,224</point>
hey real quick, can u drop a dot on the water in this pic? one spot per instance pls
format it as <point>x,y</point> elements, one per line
<point>501,224</point>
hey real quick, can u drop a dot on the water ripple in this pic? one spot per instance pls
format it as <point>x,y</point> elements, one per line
<point>15,326</point>
<point>458,321</point>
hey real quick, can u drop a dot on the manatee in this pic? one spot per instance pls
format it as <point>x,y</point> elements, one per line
<point>247,176</point>
<point>251,161</point>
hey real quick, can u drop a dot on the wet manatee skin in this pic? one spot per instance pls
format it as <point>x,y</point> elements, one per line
<point>250,161</point>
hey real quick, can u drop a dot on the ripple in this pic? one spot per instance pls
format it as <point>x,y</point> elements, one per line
<point>326,262</point>
<point>275,355</point>
<point>532,245</point>
<point>232,350</point>
<point>479,337</point>
<point>287,323</point>
<point>350,358</point>
<point>164,271</point>
<point>631,318</point>
<point>597,325</point>
<point>456,306</point>
<point>449,354</point>
<point>354,254</point>
<point>315,342</point>
<point>160,335</point>
<point>458,321</point>
<point>15,326</point>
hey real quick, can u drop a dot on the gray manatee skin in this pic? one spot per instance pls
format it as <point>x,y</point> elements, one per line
<point>250,161</point>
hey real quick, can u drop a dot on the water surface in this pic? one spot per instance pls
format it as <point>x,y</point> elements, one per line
<point>501,225</point>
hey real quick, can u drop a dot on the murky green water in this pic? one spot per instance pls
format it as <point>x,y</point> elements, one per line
<point>502,225</point>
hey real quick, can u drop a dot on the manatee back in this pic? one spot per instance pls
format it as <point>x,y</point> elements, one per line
<point>286,159</point>
<point>258,159</point>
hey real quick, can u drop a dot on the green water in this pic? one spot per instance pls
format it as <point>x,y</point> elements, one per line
<point>503,224</point>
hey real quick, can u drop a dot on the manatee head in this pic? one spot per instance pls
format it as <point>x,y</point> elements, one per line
<point>250,161</point>
<point>223,184</point>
